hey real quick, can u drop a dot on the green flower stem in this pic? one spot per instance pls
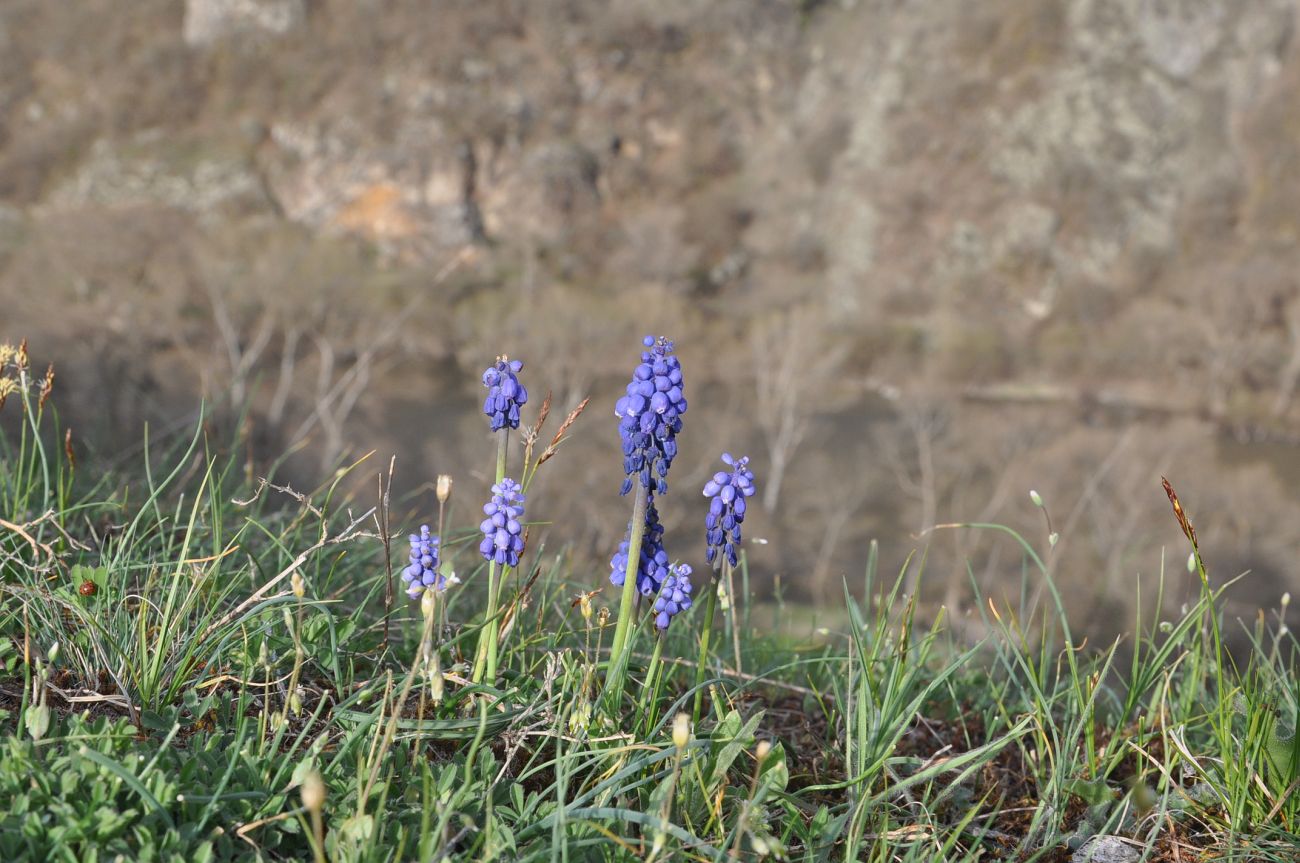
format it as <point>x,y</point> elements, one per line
<point>487,645</point>
<point>650,695</point>
<point>711,606</point>
<point>619,647</point>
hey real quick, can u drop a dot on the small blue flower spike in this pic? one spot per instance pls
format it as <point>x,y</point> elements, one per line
<point>503,540</point>
<point>650,416</point>
<point>422,573</point>
<point>653,566</point>
<point>727,493</point>
<point>505,394</point>
<point>674,595</point>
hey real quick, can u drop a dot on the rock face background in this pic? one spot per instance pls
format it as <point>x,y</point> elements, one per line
<point>918,257</point>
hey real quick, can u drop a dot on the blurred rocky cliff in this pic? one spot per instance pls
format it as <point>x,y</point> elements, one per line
<point>918,257</point>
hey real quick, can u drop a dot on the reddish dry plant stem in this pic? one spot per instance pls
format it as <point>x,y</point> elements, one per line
<point>1183,521</point>
<point>47,387</point>
<point>569,420</point>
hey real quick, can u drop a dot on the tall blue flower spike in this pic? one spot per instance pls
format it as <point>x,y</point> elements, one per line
<point>503,540</point>
<point>422,573</point>
<point>727,493</point>
<point>505,393</point>
<point>650,416</point>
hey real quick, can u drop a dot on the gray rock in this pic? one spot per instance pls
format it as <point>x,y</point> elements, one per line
<point>1106,849</point>
<point>207,21</point>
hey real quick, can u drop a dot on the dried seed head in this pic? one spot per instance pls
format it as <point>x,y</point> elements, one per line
<point>444,487</point>
<point>681,731</point>
<point>7,352</point>
<point>313,792</point>
<point>47,386</point>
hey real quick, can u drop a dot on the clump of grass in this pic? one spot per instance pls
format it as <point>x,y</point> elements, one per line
<point>243,682</point>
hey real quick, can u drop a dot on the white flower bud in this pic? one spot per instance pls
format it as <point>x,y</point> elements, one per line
<point>313,791</point>
<point>681,731</point>
<point>1036,498</point>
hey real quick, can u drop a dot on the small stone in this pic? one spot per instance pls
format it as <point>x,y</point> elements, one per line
<point>1106,849</point>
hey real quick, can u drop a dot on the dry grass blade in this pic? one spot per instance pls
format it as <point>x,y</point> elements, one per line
<point>569,420</point>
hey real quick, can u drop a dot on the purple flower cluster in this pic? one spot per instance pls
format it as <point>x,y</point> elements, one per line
<point>727,507</point>
<point>502,533</point>
<point>650,416</point>
<point>505,393</point>
<point>653,566</point>
<point>674,595</point>
<point>422,573</point>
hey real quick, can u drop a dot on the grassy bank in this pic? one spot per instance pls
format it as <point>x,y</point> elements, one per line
<point>198,662</point>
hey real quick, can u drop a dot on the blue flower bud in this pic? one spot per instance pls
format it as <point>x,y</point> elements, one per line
<point>505,394</point>
<point>727,493</point>
<point>650,416</point>
<point>502,530</point>
<point>422,572</point>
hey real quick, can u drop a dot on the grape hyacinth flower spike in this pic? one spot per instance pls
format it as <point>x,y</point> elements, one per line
<point>674,595</point>
<point>422,574</point>
<point>727,508</point>
<point>650,416</point>
<point>505,394</point>
<point>653,567</point>
<point>649,419</point>
<point>502,532</point>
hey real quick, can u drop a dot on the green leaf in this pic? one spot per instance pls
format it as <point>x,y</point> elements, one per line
<point>738,742</point>
<point>1094,793</point>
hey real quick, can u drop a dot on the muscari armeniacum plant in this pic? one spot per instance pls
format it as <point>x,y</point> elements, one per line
<point>502,531</point>
<point>649,419</point>
<point>501,406</point>
<point>727,491</point>
<point>422,572</point>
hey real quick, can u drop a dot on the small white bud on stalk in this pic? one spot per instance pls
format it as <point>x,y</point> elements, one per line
<point>437,683</point>
<point>764,749</point>
<point>299,586</point>
<point>1286,599</point>
<point>1053,538</point>
<point>444,487</point>
<point>1191,562</point>
<point>1036,498</point>
<point>38,719</point>
<point>428,604</point>
<point>54,652</point>
<point>681,731</point>
<point>313,791</point>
